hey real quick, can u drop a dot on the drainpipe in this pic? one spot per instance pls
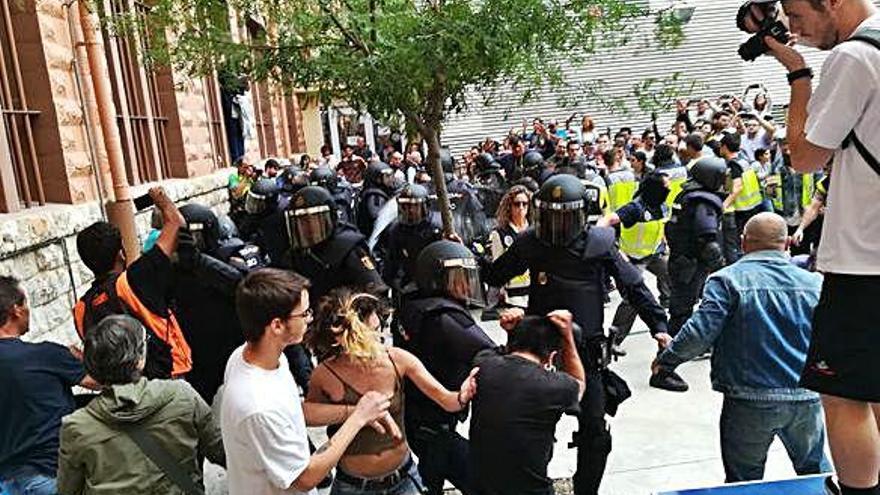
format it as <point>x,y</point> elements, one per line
<point>87,106</point>
<point>121,211</point>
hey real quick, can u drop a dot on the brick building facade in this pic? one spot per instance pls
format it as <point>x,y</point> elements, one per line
<point>54,171</point>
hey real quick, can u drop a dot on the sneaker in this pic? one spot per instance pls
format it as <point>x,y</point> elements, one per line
<point>668,380</point>
<point>831,487</point>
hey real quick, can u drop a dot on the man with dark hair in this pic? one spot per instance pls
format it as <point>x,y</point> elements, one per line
<point>512,163</point>
<point>744,193</point>
<point>141,290</point>
<point>35,382</point>
<point>102,445</point>
<point>261,418</point>
<point>520,400</point>
<point>839,121</point>
<point>693,149</point>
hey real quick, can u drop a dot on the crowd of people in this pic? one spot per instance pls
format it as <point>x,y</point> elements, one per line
<point>333,296</point>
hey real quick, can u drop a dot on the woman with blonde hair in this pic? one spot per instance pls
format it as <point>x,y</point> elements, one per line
<point>512,218</point>
<point>346,338</point>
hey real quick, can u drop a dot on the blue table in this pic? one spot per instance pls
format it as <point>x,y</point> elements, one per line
<point>806,485</point>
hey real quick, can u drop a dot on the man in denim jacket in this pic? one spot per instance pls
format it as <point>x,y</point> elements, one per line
<point>756,314</point>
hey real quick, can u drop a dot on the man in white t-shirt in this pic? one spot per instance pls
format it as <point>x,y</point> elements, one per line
<point>843,364</point>
<point>261,416</point>
<point>758,135</point>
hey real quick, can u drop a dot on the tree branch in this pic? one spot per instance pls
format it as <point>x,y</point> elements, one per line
<point>345,32</point>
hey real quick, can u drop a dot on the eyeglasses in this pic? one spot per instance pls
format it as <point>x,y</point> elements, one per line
<point>523,204</point>
<point>304,315</point>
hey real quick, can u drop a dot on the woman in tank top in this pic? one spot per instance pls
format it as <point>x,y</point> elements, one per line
<point>346,338</point>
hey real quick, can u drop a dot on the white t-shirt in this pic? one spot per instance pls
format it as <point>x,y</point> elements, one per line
<point>263,427</point>
<point>848,96</point>
<point>748,145</point>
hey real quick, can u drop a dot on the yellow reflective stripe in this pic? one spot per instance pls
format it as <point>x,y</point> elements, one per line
<point>807,188</point>
<point>750,196</point>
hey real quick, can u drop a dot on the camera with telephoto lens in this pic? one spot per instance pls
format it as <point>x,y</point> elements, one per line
<point>768,25</point>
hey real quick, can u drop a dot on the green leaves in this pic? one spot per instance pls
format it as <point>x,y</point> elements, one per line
<point>416,58</point>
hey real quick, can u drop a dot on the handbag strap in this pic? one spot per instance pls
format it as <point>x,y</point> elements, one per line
<point>163,460</point>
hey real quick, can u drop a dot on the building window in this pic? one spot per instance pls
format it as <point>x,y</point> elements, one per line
<point>262,101</point>
<point>143,124</point>
<point>215,123</point>
<point>19,120</point>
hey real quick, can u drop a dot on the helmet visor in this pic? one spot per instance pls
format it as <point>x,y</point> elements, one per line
<point>387,178</point>
<point>558,223</point>
<point>255,203</point>
<point>308,227</point>
<point>461,281</point>
<point>411,211</point>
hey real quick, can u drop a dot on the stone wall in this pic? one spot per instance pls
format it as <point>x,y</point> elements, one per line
<point>38,246</point>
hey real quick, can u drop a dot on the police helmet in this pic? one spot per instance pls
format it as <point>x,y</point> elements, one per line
<point>532,160</point>
<point>412,204</point>
<point>228,230</point>
<point>292,179</point>
<point>560,209</point>
<point>447,162</point>
<point>710,173</point>
<point>448,269</point>
<point>324,177</point>
<point>379,174</point>
<point>262,197</point>
<point>486,162</point>
<point>203,225</point>
<point>310,217</point>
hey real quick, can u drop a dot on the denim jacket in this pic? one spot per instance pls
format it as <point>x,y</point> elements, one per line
<point>757,314</point>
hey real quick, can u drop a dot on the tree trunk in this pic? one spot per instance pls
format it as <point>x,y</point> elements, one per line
<point>432,136</point>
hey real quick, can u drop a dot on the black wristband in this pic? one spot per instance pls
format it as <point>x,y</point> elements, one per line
<point>797,74</point>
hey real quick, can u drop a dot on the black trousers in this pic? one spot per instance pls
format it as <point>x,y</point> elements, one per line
<point>687,276</point>
<point>443,455</point>
<point>626,313</point>
<point>730,238</point>
<point>593,438</point>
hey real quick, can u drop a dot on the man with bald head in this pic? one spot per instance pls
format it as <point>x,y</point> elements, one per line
<point>756,314</point>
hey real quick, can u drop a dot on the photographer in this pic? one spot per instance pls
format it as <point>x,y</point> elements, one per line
<point>839,121</point>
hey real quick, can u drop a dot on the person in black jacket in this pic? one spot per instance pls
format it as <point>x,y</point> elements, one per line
<point>569,263</point>
<point>441,332</point>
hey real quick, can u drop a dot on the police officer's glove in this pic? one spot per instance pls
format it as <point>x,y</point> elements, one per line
<point>187,252</point>
<point>712,256</point>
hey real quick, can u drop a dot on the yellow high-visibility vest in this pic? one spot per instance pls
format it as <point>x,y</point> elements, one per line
<point>622,187</point>
<point>642,239</point>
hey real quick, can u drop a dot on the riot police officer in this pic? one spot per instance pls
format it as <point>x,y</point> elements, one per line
<point>405,238</point>
<point>263,223</point>
<point>489,182</point>
<point>289,181</point>
<point>693,235</point>
<point>328,252</point>
<point>442,333</point>
<point>468,215</point>
<point>378,189</point>
<point>339,188</point>
<point>533,165</point>
<point>204,299</point>
<point>568,262</point>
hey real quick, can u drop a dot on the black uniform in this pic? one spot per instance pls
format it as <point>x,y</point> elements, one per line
<point>694,249</point>
<point>341,260</point>
<point>573,278</point>
<point>445,337</point>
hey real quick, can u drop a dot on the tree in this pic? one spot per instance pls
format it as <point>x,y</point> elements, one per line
<point>414,61</point>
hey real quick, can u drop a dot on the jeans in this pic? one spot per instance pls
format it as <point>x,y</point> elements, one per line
<point>748,429</point>
<point>626,314</point>
<point>411,484</point>
<point>27,481</point>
